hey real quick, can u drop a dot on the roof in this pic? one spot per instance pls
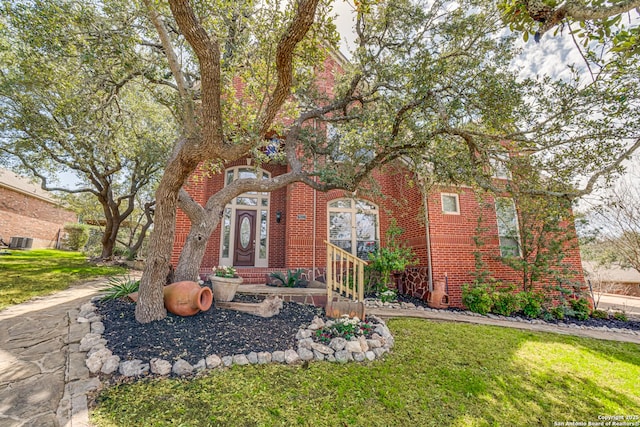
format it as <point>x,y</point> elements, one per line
<point>613,274</point>
<point>25,186</point>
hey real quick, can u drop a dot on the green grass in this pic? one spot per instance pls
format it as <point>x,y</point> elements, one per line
<point>439,374</point>
<point>27,274</point>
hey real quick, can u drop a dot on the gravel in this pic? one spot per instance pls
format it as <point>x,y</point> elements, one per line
<point>216,331</point>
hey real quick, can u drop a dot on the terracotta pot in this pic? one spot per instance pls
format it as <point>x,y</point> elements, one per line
<point>224,288</point>
<point>438,298</point>
<point>187,298</point>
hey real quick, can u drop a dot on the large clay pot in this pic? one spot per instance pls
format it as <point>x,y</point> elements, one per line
<point>187,298</point>
<point>224,288</point>
<point>438,298</point>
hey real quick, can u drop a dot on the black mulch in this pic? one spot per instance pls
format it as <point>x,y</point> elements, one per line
<point>610,323</point>
<point>216,331</point>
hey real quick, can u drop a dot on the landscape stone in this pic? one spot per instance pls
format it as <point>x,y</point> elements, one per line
<point>240,359</point>
<point>321,348</point>
<point>374,343</point>
<point>160,366</point>
<point>213,361</point>
<point>370,355</point>
<point>110,365</point>
<point>353,346</point>
<point>278,356</point>
<point>91,340</point>
<point>182,367</point>
<point>317,355</point>
<point>264,357</point>
<point>330,358</point>
<point>305,343</point>
<point>379,351</point>
<point>291,356</point>
<point>303,333</point>
<point>94,363</point>
<point>200,366</point>
<point>305,354</point>
<point>318,322</point>
<point>338,343</point>
<point>133,368</point>
<point>227,361</point>
<point>341,356</point>
<point>97,328</point>
<point>358,356</point>
<point>252,357</point>
<point>363,343</point>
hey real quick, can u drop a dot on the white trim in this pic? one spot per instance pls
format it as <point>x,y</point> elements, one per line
<point>353,211</point>
<point>456,196</point>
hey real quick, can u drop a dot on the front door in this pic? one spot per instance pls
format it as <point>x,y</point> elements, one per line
<point>245,238</point>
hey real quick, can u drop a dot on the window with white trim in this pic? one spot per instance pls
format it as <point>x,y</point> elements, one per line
<point>508,228</point>
<point>450,203</point>
<point>354,226</point>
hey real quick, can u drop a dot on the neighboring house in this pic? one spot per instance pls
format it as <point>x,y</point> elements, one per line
<point>29,216</point>
<point>287,228</point>
<point>612,279</point>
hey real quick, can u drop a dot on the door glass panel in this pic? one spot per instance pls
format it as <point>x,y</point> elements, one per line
<point>226,232</point>
<point>263,234</point>
<point>245,232</point>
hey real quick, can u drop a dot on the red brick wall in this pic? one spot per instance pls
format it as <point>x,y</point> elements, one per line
<point>26,216</point>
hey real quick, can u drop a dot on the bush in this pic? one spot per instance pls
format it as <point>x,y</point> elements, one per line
<point>76,237</point>
<point>558,312</point>
<point>621,316</point>
<point>599,314</point>
<point>580,307</point>
<point>531,304</point>
<point>291,280</point>
<point>476,298</point>
<point>120,287</point>
<point>505,302</point>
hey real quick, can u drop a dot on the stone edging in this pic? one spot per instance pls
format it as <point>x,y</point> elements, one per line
<point>100,360</point>
<point>376,303</point>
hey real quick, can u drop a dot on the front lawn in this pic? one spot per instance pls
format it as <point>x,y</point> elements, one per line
<point>27,274</point>
<point>439,374</point>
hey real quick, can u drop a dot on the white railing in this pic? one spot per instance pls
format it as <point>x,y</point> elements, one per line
<point>345,274</point>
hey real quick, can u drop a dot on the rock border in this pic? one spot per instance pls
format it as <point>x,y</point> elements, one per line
<point>101,361</point>
<point>376,303</point>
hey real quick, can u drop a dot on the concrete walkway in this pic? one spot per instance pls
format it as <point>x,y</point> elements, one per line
<point>629,305</point>
<point>43,377</point>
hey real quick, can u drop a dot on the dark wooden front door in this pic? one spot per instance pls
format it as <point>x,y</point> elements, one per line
<point>245,238</point>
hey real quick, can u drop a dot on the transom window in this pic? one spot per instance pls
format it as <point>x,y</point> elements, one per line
<point>354,226</point>
<point>508,228</point>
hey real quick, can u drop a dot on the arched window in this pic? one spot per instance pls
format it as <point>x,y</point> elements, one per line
<point>354,226</point>
<point>244,240</point>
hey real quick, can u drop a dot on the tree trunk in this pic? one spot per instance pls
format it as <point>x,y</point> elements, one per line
<point>194,248</point>
<point>150,305</point>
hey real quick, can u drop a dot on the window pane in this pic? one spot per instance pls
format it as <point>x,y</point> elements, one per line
<point>509,246</point>
<point>366,227</point>
<point>340,204</point>
<point>365,206</point>
<point>229,177</point>
<point>449,203</point>
<point>246,173</point>
<point>340,226</point>
<point>506,215</point>
<point>263,234</point>
<point>247,201</point>
<point>342,244</point>
<point>226,232</point>
<point>365,247</point>
<point>265,202</point>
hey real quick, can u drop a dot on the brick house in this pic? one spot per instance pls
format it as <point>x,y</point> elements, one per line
<point>28,212</point>
<point>287,229</point>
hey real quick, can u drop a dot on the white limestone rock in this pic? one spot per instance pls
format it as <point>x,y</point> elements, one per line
<point>110,365</point>
<point>160,366</point>
<point>264,357</point>
<point>213,361</point>
<point>133,368</point>
<point>305,354</point>
<point>291,356</point>
<point>182,367</point>
<point>278,356</point>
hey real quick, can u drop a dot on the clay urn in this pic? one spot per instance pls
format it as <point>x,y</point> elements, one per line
<point>438,298</point>
<point>187,298</point>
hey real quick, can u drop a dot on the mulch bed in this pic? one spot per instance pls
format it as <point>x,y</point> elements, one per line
<point>215,331</point>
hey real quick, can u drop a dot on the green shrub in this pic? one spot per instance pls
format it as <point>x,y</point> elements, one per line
<point>558,312</point>
<point>388,295</point>
<point>76,237</point>
<point>531,303</point>
<point>505,302</point>
<point>290,280</point>
<point>599,314</point>
<point>580,307</point>
<point>621,316</point>
<point>120,287</point>
<point>477,298</point>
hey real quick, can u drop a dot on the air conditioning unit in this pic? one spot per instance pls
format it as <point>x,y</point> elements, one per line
<point>21,243</point>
